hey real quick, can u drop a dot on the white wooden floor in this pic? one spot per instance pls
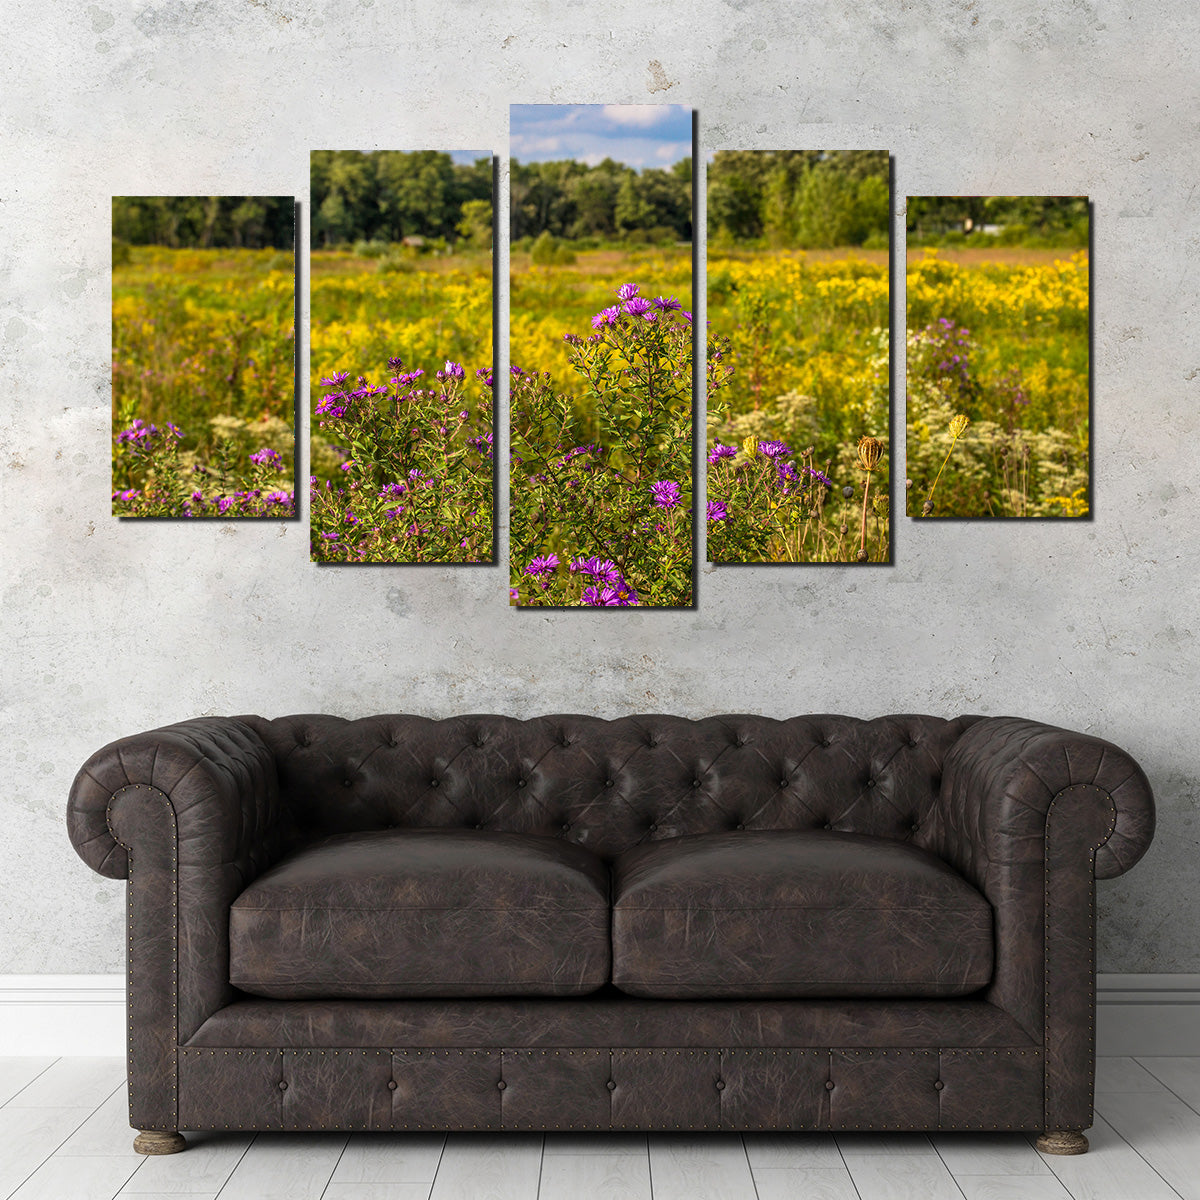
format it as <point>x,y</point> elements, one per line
<point>64,1136</point>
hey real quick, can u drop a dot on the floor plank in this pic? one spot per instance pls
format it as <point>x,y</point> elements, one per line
<point>488,1168</point>
<point>204,1167</point>
<point>1012,1187</point>
<point>595,1176</point>
<point>988,1154</point>
<point>1110,1170</point>
<point>284,1166</point>
<point>81,1177</point>
<point>891,1144</point>
<point>376,1191</point>
<point>902,1177</point>
<point>1124,1075</point>
<point>713,1167</point>
<point>808,1150</point>
<point>72,1083</point>
<point>1163,1130</point>
<point>16,1073</point>
<point>809,1183</point>
<point>620,1144</point>
<point>106,1132</point>
<point>390,1158</point>
<point>1181,1075</point>
<point>28,1136</point>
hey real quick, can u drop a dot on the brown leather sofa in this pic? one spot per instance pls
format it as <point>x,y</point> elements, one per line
<point>650,923</point>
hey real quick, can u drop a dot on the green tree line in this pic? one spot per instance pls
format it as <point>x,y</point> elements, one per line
<point>388,195</point>
<point>801,199</point>
<point>1016,220</point>
<point>247,222</point>
<point>608,201</point>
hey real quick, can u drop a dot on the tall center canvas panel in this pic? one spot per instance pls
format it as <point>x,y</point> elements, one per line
<point>401,356</point>
<point>600,356</point>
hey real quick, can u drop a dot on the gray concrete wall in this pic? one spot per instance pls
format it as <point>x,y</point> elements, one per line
<point>110,628</point>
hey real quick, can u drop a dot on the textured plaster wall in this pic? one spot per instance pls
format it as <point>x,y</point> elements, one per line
<point>110,628</point>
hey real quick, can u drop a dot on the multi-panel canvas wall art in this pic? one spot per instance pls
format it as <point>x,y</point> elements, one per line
<point>401,357</point>
<point>798,375</point>
<point>203,356</point>
<point>601,356</point>
<point>998,356</point>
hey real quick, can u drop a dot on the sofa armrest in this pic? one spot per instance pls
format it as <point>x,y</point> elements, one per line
<point>189,814</point>
<point>1004,773</point>
<point>1032,816</point>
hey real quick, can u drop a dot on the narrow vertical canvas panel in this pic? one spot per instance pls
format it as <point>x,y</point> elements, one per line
<point>998,362</point>
<point>601,356</point>
<point>799,396</point>
<point>401,357</point>
<point>203,356</point>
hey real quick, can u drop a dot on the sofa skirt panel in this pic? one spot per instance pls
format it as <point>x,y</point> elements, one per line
<point>618,1088</point>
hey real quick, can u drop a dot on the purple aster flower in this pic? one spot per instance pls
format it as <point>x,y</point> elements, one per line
<point>667,304</point>
<point>819,476</point>
<point>603,570</point>
<point>719,452</point>
<point>618,595</point>
<point>395,364</point>
<point>774,449</point>
<point>687,316</point>
<point>454,370</point>
<point>267,458</point>
<point>627,291</point>
<point>606,316</point>
<point>638,306</point>
<point>544,564</point>
<point>717,510</point>
<point>336,379</point>
<point>666,494</point>
<point>515,371</point>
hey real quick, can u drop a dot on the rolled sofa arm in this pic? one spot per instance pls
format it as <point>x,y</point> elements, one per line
<point>1004,773</point>
<point>189,814</point>
<point>1032,815</point>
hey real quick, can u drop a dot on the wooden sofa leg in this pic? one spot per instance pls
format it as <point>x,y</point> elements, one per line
<point>1062,1141</point>
<point>159,1141</point>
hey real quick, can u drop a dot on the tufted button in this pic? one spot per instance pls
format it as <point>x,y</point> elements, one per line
<point>652,742</point>
<point>652,828</point>
<point>564,740</point>
<point>870,783</point>
<point>347,783</point>
<point>912,742</point>
<point>826,741</point>
<point>939,1085</point>
<point>434,782</point>
<point>480,741</point>
<point>305,740</point>
<point>501,1085</point>
<point>784,782</point>
<point>521,783</point>
<point>565,826</point>
<point>740,740</point>
<point>720,1085</point>
<point>827,825</point>
<point>611,1085</point>
<point>479,825</point>
<point>915,826</point>
<point>283,1085</point>
<point>392,1085</point>
<point>829,1085</point>
<point>696,783</point>
<point>608,783</point>
<point>739,825</point>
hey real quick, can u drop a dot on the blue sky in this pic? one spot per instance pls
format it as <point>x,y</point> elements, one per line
<point>638,135</point>
<point>467,157</point>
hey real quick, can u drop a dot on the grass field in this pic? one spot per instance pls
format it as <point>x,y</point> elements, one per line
<point>203,340</point>
<point>999,337</point>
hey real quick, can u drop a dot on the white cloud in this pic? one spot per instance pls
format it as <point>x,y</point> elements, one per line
<point>642,115</point>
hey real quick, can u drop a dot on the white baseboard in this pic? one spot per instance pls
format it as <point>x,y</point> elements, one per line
<point>85,1014</point>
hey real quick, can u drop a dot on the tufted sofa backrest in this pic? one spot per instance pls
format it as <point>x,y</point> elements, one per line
<point>609,785</point>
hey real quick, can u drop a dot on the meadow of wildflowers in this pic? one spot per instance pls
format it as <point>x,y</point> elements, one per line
<point>808,386</point>
<point>997,384</point>
<point>203,375</point>
<point>601,508</point>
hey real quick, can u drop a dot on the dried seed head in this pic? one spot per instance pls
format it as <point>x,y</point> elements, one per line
<point>847,491</point>
<point>870,451</point>
<point>958,425</point>
<point>908,485</point>
<point>845,530</point>
<point>927,509</point>
<point>862,556</point>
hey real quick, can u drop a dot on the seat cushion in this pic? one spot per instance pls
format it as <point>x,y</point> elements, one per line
<point>790,914</point>
<point>429,912</point>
